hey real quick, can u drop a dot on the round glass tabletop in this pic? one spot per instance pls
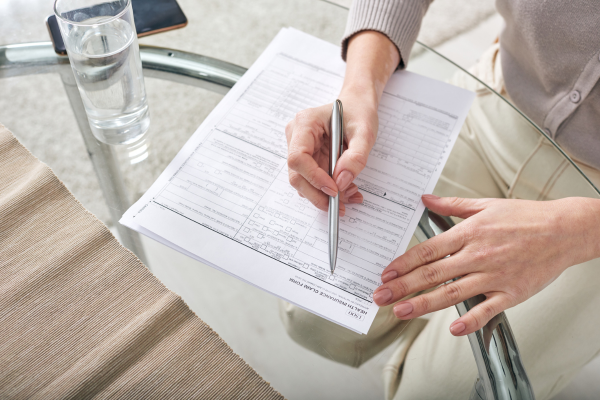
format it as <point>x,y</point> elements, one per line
<point>43,111</point>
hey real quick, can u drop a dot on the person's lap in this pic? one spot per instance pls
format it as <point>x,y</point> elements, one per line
<point>501,155</point>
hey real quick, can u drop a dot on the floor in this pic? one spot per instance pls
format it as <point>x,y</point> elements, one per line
<point>244,316</point>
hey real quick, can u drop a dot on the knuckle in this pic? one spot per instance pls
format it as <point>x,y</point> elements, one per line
<point>478,320</point>
<point>457,201</point>
<point>304,115</point>
<point>469,231</point>
<point>401,266</point>
<point>425,253</point>
<point>431,275</point>
<point>482,254</point>
<point>295,180</point>
<point>294,160</point>
<point>453,293</point>
<point>311,177</point>
<point>358,159</point>
<point>424,304</point>
<point>401,287</point>
<point>289,129</point>
<point>517,293</point>
<point>321,203</point>
<point>486,313</point>
<point>308,118</point>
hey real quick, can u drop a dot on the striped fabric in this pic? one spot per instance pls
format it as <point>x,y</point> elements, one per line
<point>80,315</point>
<point>400,20</point>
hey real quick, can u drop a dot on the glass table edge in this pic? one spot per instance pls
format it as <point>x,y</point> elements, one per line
<point>237,70</point>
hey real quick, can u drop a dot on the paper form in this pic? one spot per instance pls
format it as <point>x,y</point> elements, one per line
<point>225,199</point>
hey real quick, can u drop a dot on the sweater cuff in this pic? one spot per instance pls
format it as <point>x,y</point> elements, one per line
<point>399,20</point>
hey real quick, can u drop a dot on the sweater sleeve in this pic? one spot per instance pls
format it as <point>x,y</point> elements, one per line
<point>399,20</point>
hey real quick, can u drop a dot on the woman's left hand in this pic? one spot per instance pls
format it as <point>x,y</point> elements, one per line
<point>507,250</point>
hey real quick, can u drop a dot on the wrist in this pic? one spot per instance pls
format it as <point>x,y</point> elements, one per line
<point>363,92</point>
<point>584,226</point>
<point>591,215</point>
<point>371,59</point>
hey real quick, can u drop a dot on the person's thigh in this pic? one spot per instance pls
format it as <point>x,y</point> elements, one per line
<point>555,329</point>
<point>336,342</point>
<point>466,173</point>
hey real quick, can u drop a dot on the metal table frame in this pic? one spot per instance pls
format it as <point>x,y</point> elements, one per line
<point>501,373</point>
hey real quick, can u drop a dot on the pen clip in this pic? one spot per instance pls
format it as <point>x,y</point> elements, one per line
<point>336,135</point>
<point>341,122</point>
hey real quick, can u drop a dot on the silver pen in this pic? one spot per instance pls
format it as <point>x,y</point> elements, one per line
<point>335,152</point>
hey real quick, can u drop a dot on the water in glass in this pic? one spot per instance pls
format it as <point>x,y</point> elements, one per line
<point>105,60</point>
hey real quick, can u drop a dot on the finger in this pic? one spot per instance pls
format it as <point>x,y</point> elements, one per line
<point>306,166</point>
<point>479,315</point>
<point>354,159</point>
<point>356,198</point>
<point>344,195</point>
<point>352,189</point>
<point>422,278</point>
<point>289,128</point>
<point>454,206</point>
<point>303,137</point>
<point>443,297</point>
<point>316,197</point>
<point>431,250</point>
<point>351,195</point>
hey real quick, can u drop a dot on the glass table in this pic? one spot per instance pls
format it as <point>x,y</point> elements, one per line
<point>44,111</point>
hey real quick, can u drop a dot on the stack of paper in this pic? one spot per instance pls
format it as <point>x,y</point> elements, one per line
<point>225,199</point>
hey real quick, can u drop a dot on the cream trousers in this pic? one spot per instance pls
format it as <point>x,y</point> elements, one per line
<point>498,154</point>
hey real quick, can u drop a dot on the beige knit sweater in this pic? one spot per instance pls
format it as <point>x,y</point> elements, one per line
<point>550,52</point>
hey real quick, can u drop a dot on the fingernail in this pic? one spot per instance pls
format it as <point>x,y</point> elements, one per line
<point>328,191</point>
<point>402,309</point>
<point>355,198</point>
<point>388,276</point>
<point>301,195</point>
<point>430,197</point>
<point>457,328</point>
<point>344,180</point>
<point>383,296</point>
<point>351,191</point>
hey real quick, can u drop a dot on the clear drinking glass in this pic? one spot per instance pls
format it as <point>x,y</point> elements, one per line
<point>101,42</point>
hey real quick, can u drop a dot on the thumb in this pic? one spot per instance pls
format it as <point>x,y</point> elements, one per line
<point>353,159</point>
<point>454,206</point>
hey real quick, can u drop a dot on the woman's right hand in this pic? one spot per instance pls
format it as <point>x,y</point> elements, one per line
<point>308,150</point>
<point>371,60</point>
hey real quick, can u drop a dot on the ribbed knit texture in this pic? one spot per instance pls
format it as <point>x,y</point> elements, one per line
<point>81,317</point>
<point>550,60</point>
<point>400,20</point>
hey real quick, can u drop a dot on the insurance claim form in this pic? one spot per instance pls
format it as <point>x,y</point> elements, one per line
<point>225,199</point>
